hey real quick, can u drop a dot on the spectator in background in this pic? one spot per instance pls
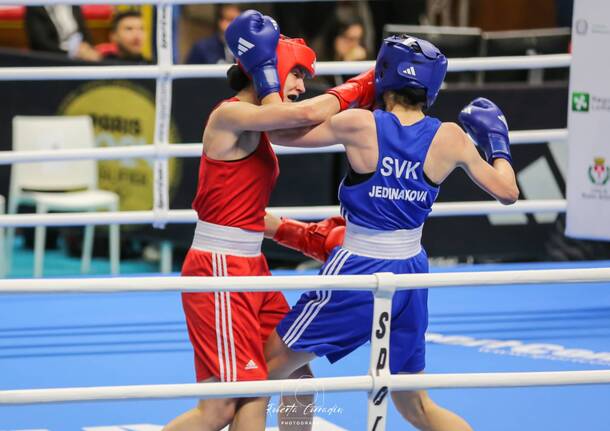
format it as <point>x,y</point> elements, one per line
<point>126,38</point>
<point>213,49</point>
<point>343,41</point>
<point>348,39</point>
<point>60,29</point>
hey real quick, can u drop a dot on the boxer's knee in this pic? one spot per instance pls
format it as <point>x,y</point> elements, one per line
<point>281,360</point>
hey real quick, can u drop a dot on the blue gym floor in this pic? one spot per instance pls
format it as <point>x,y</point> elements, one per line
<point>129,339</point>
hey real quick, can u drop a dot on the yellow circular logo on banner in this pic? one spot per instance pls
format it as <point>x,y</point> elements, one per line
<point>123,114</point>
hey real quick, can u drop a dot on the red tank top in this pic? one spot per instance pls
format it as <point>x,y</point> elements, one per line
<point>236,193</point>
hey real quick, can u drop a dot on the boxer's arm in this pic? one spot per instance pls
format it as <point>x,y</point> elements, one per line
<point>342,128</point>
<point>497,179</point>
<point>270,116</point>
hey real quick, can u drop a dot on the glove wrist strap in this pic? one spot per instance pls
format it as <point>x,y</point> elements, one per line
<point>266,80</point>
<point>500,147</point>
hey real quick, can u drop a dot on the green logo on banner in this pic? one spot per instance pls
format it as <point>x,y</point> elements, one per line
<point>580,102</point>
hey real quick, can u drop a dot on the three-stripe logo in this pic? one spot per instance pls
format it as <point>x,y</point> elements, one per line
<point>243,46</point>
<point>409,71</point>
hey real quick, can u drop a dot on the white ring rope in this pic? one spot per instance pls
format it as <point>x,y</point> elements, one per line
<point>194,149</point>
<point>181,71</point>
<point>304,386</point>
<point>311,282</point>
<point>440,209</point>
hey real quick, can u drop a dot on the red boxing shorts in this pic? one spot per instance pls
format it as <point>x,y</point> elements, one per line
<point>228,330</point>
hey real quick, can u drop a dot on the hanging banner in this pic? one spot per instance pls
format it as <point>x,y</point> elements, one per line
<point>588,186</point>
<point>123,114</point>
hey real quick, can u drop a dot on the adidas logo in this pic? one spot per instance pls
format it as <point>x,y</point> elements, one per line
<point>467,110</point>
<point>243,46</point>
<point>409,71</point>
<point>251,365</point>
<point>410,41</point>
<point>502,118</point>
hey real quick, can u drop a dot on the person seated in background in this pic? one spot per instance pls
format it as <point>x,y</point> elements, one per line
<point>347,41</point>
<point>60,29</point>
<point>126,38</point>
<point>213,49</point>
<point>344,41</point>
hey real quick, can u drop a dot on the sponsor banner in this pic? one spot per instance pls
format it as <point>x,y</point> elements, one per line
<point>588,186</point>
<point>123,114</point>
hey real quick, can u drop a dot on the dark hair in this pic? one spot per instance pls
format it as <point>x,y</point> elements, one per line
<point>410,96</point>
<point>342,25</point>
<point>335,28</point>
<point>118,17</point>
<point>238,80</point>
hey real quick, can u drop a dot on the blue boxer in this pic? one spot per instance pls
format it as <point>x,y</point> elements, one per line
<point>385,212</point>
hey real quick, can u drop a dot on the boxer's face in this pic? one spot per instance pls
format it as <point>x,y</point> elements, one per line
<point>294,85</point>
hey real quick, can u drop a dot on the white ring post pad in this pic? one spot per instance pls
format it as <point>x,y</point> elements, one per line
<point>379,367</point>
<point>163,107</point>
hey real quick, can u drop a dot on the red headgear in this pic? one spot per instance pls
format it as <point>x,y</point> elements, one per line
<point>293,53</point>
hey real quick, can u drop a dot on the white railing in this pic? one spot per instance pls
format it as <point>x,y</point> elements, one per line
<point>178,71</point>
<point>312,282</point>
<point>442,209</point>
<point>194,149</point>
<point>304,386</point>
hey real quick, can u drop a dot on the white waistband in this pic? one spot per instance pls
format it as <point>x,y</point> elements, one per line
<point>379,244</point>
<point>225,239</point>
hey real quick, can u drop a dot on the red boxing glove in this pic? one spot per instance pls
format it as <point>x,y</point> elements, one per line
<point>315,240</point>
<point>357,92</point>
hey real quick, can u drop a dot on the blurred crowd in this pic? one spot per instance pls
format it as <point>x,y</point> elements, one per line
<point>337,30</point>
<point>63,29</point>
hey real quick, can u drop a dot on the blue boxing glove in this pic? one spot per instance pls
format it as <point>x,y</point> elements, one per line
<point>252,38</point>
<point>486,124</point>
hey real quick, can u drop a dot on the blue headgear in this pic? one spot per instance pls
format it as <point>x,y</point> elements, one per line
<point>406,61</point>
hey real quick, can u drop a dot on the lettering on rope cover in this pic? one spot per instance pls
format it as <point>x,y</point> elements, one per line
<point>383,318</point>
<point>377,421</point>
<point>380,395</point>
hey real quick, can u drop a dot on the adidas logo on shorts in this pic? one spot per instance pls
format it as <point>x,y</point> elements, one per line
<point>244,46</point>
<point>251,365</point>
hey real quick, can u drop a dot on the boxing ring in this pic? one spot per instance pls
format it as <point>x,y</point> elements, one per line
<point>56,343</point>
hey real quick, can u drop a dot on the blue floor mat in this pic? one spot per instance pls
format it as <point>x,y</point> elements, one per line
<point>128,339</point>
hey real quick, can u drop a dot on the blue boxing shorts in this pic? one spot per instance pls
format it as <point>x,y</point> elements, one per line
<point>335,323</point>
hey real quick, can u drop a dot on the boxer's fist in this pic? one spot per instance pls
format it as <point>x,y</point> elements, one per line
<point>486,124</point>
<point>252,38</point>
<point>357,92</point>
<point>315,240</point>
